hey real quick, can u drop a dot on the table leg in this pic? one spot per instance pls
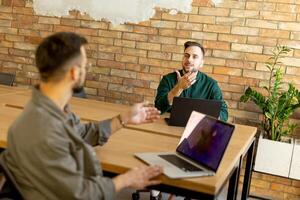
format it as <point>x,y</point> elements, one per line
<point>248,172</point>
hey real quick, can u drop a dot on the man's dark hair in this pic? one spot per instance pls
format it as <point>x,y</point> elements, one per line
<point>55,51</point>
<point>191,43</point>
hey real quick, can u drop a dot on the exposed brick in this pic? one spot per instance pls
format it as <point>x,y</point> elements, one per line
<point>126,58</point>
<point>262,41</point>
<point>49,20</point>
<point>216,45</point>
<point>172,48</point>
<point>136,82</point>
<point>228,71</point>
<point>148,46</point>
<point>102,40</point>
<point>121,27</point>
<point>145,30</point>
<point>244,13</point>
<point>232,4</point>
<point>144,91</point>
<point>290,26</point>
<point>93,24</point>
<point>230,21</point>
<point>135,52</point>
<point>232,38</point>
<point>260,6</point>
<point>124,43</point>
<point>177,17</point>
<point>247,48</point>
<point>22,10</point>
<point>148,77</point>
<point>278,16</point>
<point>160,55</point>
<point>244,31</point>
<point>228,54</point>
<point>134,36</point>
<point>213,11</point>
<point>113,34</point>
<point>163,24</point>
<point>206,36</point>
<point>162,39</point>
<point>120,88</point>
<point>216,28</point>
<point>202,19</point>
<point>220,78</point>
<point>255,74</point>
<point>261,23</point>
<point>175,33</point>
<point>189,26</point>
<point>243,81</point>
<point>213,61</point>
<point>123,73</point>
<point>148,61</point>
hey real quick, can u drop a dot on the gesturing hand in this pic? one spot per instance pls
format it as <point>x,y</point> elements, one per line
<point>143,176</point>
<point>140,113</point>
<point>186,80</point>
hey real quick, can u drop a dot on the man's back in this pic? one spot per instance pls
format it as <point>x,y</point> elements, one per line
<point>46,155</point>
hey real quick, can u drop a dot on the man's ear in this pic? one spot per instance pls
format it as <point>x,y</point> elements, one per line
<point>74,72</point>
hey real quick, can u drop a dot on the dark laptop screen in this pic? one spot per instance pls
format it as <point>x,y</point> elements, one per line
<point>207,142</point>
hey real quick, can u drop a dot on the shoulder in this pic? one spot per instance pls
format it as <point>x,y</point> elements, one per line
<point>207,79</point>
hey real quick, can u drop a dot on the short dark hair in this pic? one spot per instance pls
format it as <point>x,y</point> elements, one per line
<point>192,43</point>
<point>55,51</point>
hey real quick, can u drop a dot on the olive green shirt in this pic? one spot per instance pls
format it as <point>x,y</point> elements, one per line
<point>205,88</point>
<point>50,154</point>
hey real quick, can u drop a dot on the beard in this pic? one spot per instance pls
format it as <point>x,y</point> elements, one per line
<point>78,87</point>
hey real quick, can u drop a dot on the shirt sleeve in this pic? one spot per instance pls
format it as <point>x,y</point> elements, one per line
<point>217,95</point>
<point>161,100</point>
<point>57,172</point>
<point>93,133</point>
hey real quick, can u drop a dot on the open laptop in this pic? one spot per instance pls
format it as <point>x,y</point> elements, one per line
<point>199,152</point>
<point>183,107</point>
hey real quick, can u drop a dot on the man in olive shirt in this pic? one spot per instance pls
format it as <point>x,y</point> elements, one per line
<point>189,82</point>
<point>49,151</point>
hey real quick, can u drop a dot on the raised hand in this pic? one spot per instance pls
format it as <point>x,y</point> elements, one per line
<point>186,80</point>
<point>141,113</point>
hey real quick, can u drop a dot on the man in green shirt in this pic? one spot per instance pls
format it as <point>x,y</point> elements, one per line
<point>189,82</point>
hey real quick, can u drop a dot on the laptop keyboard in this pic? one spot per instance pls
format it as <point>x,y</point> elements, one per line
<point>180,163</point>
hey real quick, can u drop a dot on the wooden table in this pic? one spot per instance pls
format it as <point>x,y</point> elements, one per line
<point>7,116</point>
<point>7,90</point>
<point>117,157</point>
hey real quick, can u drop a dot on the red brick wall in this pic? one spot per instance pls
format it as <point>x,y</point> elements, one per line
<point>128,60</point>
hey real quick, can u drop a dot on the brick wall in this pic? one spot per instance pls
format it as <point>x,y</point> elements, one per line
<point>128,60</point>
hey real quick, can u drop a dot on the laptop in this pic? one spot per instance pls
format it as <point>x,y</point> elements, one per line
<point>183,107</point>
<point>200,149</point>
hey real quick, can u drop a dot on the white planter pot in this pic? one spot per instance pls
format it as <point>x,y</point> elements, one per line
<point>273,157</point>
<point>295,165</point>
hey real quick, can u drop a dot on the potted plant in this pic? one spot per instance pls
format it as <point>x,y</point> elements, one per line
<point>274,152</point>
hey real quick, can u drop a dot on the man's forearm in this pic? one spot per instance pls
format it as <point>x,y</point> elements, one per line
<point>175,92</point>
<point>116,123</point>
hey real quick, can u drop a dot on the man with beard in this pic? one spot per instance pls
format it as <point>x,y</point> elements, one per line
<point>49,151</point>
<point>189,82</point>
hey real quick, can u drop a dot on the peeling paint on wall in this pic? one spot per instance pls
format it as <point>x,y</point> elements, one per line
<point>115,11</point>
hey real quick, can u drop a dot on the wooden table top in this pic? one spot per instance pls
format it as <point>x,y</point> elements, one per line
<point>7,116</point>
<point>117,155</point>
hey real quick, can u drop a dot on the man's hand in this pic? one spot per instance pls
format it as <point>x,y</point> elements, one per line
<point>138,178</point>
<point>186,80</point>
<point>140,113</point>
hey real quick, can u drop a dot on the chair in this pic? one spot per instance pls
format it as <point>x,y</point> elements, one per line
<point>7,78</point>
<point>10,190</point>
<point>80,94</point>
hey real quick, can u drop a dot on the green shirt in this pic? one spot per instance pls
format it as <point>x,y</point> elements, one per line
<point>204,88</point>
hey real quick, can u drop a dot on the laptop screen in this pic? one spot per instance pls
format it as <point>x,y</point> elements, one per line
<point>205,140</point>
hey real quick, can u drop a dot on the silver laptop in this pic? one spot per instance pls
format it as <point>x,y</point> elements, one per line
<point>200,149</point>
